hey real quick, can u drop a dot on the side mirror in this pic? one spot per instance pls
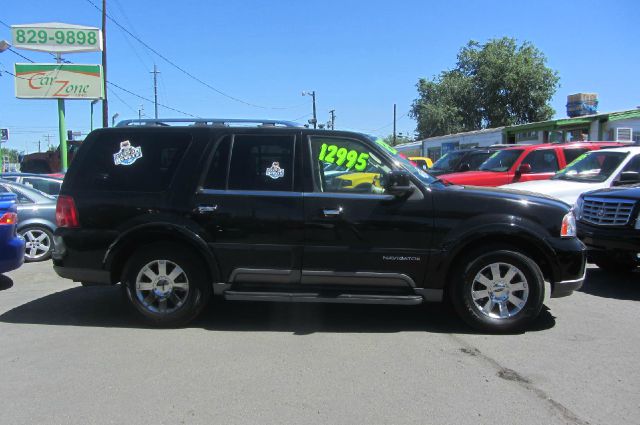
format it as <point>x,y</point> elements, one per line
<point>524,169</point>
<point>464,167</point>
<point>627,177</point>
<point>397,182</point>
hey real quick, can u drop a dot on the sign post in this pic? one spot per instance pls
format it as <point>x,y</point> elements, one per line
<point>60,81</point>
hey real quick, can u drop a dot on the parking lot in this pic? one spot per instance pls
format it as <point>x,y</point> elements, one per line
<point>76,355</point>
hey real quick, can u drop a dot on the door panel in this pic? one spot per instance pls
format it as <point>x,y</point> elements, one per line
<point>255,230</point>
<point>357,238</point>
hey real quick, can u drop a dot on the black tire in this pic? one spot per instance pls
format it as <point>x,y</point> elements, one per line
<point>612,264</point>
<point>27,233</point>
<point>465,282</point>
<point>195,278</point>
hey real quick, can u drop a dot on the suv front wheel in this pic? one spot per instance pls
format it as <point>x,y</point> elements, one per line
<point>498,291</point>
<point>166,285</point>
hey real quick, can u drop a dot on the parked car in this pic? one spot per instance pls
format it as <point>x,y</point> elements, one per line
<point>11,244</point>
<point>608,223</point>
<point>42,182</point>
<point>524,163</point>
<point>591,171</point>
<point>460,161</point>
<point>36,219</point>
<point>176,213</point>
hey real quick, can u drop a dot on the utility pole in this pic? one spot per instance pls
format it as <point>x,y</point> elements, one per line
<point>333,118</point>
<point>105,103</point>
<point>48,137</point>
<point>155,73</point>
<point>394,124</point>
<point>140,111</point>
<point>314,120</point>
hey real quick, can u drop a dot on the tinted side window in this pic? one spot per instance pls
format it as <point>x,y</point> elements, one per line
<point>571,154</point>
<point>542,161</point>
<point>261,163</point>
<point>137,162</point>
<point>217,174</point>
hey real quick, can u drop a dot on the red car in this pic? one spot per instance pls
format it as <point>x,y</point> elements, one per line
<point>524,163</point>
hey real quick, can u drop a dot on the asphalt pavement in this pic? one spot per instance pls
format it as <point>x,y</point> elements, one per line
<point>74,355</point>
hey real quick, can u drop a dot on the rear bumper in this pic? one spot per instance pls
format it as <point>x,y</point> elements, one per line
<point>12,254</point>
<point>87,276</point>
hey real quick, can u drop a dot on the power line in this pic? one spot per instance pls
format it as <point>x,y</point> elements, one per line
<point>22,56</point>
<point>5,24</point>
<point>151,101</point>
<point>184,71</point>
<point>121,88</point>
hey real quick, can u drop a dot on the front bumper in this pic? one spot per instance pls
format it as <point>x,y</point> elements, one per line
<point>609,240</point>
<point>12,254</point>
<point>566,287</point>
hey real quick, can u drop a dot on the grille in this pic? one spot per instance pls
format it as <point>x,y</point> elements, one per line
<point>607,211</point>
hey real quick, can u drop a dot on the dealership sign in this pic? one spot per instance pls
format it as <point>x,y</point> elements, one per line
<point>58,81</point>
<point>55,37</point>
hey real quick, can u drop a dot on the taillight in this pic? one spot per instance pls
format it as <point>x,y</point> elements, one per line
<point>9,218</point>
<point>66,212</point>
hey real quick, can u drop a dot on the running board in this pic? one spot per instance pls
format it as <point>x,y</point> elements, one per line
<point>312,297</point>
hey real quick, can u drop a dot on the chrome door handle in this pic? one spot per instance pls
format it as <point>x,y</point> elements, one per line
<point>332,213</point>
<point>202,209</point>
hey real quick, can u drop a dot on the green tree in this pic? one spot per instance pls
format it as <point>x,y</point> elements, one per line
<point>493,84</point>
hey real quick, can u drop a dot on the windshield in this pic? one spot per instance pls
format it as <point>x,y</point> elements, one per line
<point>449,161</point>
<point>404,161</point>
<point>594,166</point>
<point>501,161</point>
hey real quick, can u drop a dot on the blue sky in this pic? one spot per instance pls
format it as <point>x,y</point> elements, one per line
<point>360,57</point>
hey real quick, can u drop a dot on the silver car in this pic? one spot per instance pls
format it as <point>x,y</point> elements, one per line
<point>36,219</point>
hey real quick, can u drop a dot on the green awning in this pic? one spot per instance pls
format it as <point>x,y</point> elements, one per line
<point>616,116</point>
<point>575,121</point>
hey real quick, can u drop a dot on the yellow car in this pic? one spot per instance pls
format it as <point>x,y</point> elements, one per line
<point>356,181</point>
<point>422,162</point>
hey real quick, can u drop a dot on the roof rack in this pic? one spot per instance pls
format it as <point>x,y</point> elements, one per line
<point>205,122</point>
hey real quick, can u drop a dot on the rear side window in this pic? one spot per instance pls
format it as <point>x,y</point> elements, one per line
<point>51,187</point>
<point>137,162</point>
<point>263,163</point>
<point>571,154</point>
<point>542,161</point>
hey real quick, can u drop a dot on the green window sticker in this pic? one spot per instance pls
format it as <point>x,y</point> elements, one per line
<point>332,154</point>
<point>386,146</point>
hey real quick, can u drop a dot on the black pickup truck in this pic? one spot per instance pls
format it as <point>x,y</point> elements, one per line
<point>179,211</point>
<point>609,225</point>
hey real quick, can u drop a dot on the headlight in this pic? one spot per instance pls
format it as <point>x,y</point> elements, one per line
<point>577,208</point>
<point>568,229</point>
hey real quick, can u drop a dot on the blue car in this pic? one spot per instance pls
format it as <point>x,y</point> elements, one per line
<point>11,244</point>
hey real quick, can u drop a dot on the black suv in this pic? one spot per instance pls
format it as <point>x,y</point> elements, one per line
<point>461,160</point>
<point>276,212</point>
<point>609,224</point>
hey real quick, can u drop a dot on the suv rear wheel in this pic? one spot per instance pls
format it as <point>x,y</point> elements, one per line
<point>166,285</point>
<point>498,291</point>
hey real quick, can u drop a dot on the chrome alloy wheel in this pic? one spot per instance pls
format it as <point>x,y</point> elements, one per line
<point>500,290</point>
<point>162,286</point>
<point>37,244</point>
